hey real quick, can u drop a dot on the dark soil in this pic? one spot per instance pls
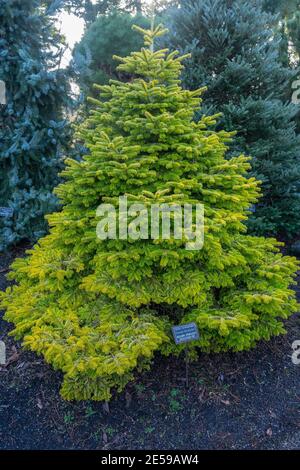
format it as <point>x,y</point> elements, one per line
<point>247,400</point>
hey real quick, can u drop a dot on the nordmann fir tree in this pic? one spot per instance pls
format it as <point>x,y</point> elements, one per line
<point>99,310</point>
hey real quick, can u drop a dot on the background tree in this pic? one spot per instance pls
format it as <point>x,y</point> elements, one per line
<point>93,57</point>
<point>293,28</point>
<point>89,10</point>
<point>287,24</point>
<point>235,54</point>
<point>33,130</point>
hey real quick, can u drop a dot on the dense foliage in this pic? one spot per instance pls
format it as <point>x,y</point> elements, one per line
<point>33,129</point>
<point>99,310</point>
<point>235,54</point>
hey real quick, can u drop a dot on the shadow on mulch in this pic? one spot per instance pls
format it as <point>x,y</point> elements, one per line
<point>246,400</point>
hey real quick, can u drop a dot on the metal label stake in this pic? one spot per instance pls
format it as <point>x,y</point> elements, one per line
<point>185,334</point>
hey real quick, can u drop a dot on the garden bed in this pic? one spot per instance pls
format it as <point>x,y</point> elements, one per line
<point>247,400</point>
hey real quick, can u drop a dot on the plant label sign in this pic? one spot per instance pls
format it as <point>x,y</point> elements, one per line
<point>185,333</point>
<point>6,212</point>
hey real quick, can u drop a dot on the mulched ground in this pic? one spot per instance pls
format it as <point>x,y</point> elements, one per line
<point>247,400</point>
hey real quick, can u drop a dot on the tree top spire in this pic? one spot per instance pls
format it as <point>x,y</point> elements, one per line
<point>151,34</point>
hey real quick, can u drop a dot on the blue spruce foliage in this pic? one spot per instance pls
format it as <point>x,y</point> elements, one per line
<point>33,129</point>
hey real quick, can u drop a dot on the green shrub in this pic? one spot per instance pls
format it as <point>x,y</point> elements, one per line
<point>99,310</point>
